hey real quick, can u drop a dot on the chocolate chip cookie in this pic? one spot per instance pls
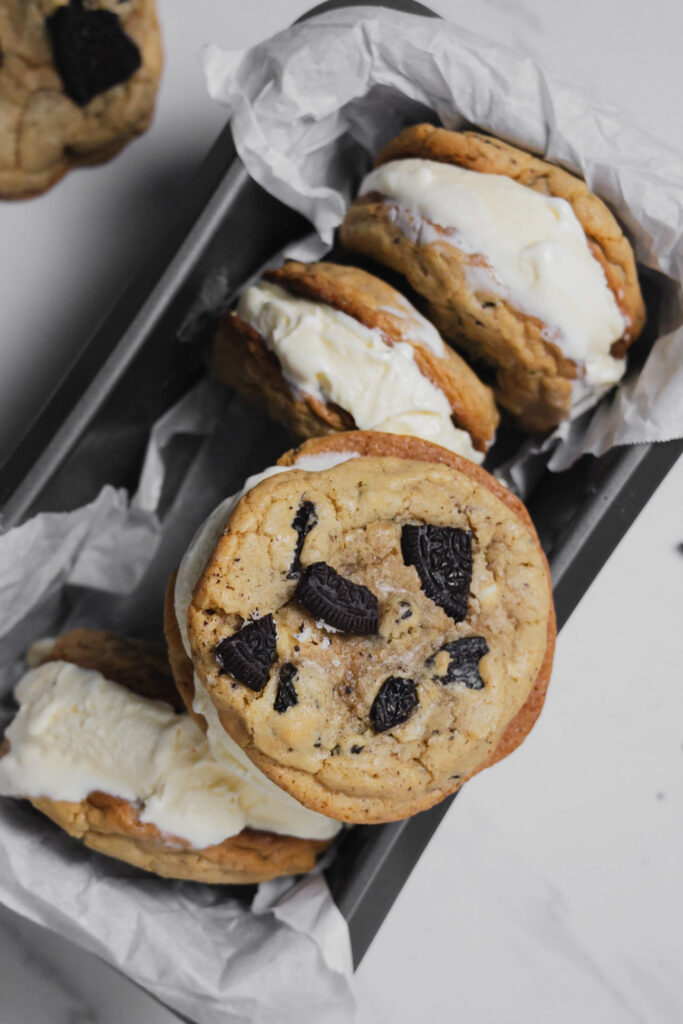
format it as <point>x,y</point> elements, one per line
<point>78,80</point>
<point>328,348</point>
<point>373,633</point>
<point>520,265</point>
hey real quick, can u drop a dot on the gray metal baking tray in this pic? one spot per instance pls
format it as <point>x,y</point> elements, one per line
<point>94,429</point>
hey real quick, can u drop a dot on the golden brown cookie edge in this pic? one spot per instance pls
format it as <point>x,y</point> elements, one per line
<point>488,154</point>
<point>365,297</point>
<point>371,810</point>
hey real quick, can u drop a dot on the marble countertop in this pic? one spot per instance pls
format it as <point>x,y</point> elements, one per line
<point>552,890</point>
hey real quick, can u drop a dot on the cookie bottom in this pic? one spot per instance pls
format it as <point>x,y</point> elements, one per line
<point>110,826</point>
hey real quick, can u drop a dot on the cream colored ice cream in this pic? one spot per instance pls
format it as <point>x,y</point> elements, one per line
<point>77,732</point>
<point>334,358</point>
<point>535,250</point>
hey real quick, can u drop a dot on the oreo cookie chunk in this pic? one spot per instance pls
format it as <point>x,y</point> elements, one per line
<point>248,654</point>
<point>286,693</point>
<point>402,608</point>
<point>442,556</point>
<point>302,524</point>
<point>78,81</point>
<point>342,604</point>
<point>394,704</point>
<point>92,51</point>
<point>462,665</point>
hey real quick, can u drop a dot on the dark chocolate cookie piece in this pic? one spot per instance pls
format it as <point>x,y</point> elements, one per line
<point>92,52</point>
<point>286,696</point>
<point>303,522</point>
<point>395,702</point>
<point>464,656</point>
<point>442,556</point>
<point>248,654</point>
<point>341,603</point>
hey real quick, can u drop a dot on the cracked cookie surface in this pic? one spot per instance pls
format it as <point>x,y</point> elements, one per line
<point>379,728</point>
<point>43,131</point>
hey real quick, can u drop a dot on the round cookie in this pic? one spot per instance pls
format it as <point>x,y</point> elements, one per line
<point>247,361</point>
<point>534,379</point>
<point>77,82</point>
<point>112,826</point>
<point>447,665</point>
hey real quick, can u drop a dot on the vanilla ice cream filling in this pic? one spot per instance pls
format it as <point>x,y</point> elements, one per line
<point>76,733</point>
<point>270,808</point>
<point>334,358</point>
<point>535,252</point>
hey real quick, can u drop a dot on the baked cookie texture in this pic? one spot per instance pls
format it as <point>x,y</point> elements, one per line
<point>330,746</point>
<point>44,132</point>
<point>533,377</point>
<point>242,359</point>
<point>111,826</point>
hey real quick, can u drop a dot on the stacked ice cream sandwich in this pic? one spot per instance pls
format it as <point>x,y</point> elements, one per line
<point>368,623</point>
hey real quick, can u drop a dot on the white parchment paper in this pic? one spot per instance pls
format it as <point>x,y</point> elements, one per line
<point>311,107</point>
<point>199,949</point>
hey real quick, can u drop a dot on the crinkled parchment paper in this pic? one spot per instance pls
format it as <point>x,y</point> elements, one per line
<point>311,107</point>
<point>201,950</point>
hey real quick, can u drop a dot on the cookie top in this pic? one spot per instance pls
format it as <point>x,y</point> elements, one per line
<point>112,827</point>
<point>99,748</point>
<point>77,81</point>
<point>368,632</point>
<point>332,348</point>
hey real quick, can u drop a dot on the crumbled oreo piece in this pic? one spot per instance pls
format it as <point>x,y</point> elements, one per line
<point>248,654</point>
<point>286,694</point>
<point>442,556</point>
<point>349,607</point>
<point>303,522</point>
<point>464,656</point>
<point>92,52</point>
<point>405,610</point>
<point>395,702</point>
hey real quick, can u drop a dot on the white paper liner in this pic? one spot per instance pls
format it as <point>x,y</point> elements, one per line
<point>198,949</point>
<point>311,107</point>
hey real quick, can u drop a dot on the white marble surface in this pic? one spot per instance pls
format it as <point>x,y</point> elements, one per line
<point>552,891</point>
